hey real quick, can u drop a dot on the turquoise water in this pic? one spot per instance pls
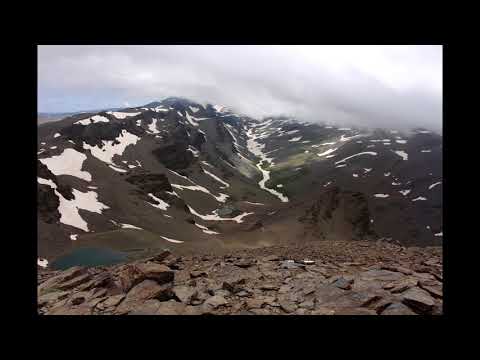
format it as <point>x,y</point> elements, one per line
<point>89,257</point>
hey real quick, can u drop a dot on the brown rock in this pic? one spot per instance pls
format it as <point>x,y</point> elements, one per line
<point>67,285</point>
<point>327,293</point>
<point>323,311</point>
<point>254,303</point>
<point>418,299</point>
<point>192,310</point>
<point>355,311</point>
<point>113,300</point>
<point>197,273</point>
<point>214,302</point>
<point>64,276</point>
<point>287,305</point>
<point>149,307</point>
<point>130,276</point>
<point>234,285</point>
<point>162,256</point>
<point>271,258</point>
<point>79,297</point>
<point>269,287</point>
<point>399,269</point>
<point>435,290</point>
<point>308,304</point>
<point>401,285</point>
<point>184,293</point>
<point>245,263</point>
<point>51,297</point>
<point>158,272</point>
<point>66,310</point>
<point>170,308</point>
<point>146,290</point>
<point>260,311</point>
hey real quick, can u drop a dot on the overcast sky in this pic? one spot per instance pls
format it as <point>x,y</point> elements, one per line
<point>371,85</point>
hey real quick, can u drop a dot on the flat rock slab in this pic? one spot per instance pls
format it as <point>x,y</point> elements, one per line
<point>419,300</point>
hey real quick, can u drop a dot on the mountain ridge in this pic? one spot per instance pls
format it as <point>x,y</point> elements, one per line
<point>169,164</point>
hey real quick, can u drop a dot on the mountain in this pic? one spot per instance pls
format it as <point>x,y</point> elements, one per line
<point>126,183</point>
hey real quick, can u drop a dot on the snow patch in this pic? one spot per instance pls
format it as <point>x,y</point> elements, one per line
<point>383,196</point>
<point>206,230</point>
<point>122,115</point>
<point>153,127</point>
<point>327,152</point>
<point>69,162</point>
<point>295,139</point>
<point>359,154</point>
<point>42,262</point>
<point>109,149</point>
<point>221,197</point>
<point>162,204</point>
<point>402,154</point>
<point>57,135</point>
<point>214,217</point>
<point>128,226</point>
<point>171,240</point>
<point>433,185</point>
<point>92,120</point>
<point>215,177</point>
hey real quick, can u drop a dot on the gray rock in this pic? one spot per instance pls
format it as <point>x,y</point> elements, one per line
<point>397,309</point>
<point>343,283</point>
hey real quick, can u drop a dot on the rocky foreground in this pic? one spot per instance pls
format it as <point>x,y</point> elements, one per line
<point>339,278</point>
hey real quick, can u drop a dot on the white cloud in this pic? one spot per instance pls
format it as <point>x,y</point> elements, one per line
<point>387,86</point>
